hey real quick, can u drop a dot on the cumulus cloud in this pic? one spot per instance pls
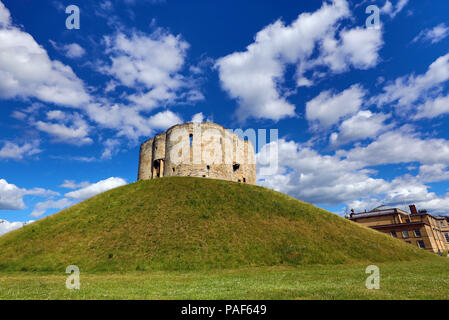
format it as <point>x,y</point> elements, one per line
<point>5,17</point>
<point>433,107</point>
<point>255,77</point>
<point>434,35</point>
<point>153,64</point>
<point>328,107</point>
<point>433,172</point>
<point>41,207</point>
<point>391,9</point>
<point>96,188</point>
<point>320,179</point>
<point>400,146</point>
<point>71,128</point>
<point>6,226</point>
<point>11,150</point>
<point>348,177</point>
<point>405,91</point>
<point>11,196</point>
<point>72,184</point>
<point>363,125</point>
<point>27,71</point>
<point>72,50</point>
<point>164,120</point>
<point>358,47</point>
<point>198,117</point>
<point>111,147</point>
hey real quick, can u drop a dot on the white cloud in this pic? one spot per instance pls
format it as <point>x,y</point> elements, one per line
<point>6,226</point>
<point>407,90</point>
<point>434,35</point>
<point>311,177</point>
<point>71,184</point>
<point>164,120</point>
<point>346,177</point>
<point>11,196</point>
<point>27,71</point>
<point>41,207</point>
<point>358,47</point>
<point>198,117</point>
<point>363,125</point>
<point>433,172</point>
<point>111,148</point>
<point>433,107</point>
<point>255,77</point>
<point>152,64</point>
<point>96,188</point>
<point>15,151</point>
<point>328,107</point>
<point>5,17</point>
<point>72,50</point>
<point>400,146</point>
<point>72,129</point>
<point>393,10</point>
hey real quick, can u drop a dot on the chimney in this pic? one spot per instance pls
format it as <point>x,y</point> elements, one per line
<point>413,209</point>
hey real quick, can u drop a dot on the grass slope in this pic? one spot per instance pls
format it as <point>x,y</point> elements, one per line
<point>184,223</point>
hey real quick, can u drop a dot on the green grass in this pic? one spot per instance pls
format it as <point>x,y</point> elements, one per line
<point>426,279</point>
<point>191,224</point>
<point>191,238</point>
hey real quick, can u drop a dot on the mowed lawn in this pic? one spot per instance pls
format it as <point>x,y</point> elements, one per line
<point>425,279</point>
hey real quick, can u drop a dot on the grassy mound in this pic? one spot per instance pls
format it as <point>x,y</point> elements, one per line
<point>184,223</point>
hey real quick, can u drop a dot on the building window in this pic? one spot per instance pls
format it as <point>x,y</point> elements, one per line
<point>417,233</point>
<point>208,168</point>
<point>407,220</point>
<point>235,166</point>
<point>394,234</point>
<point>421,244</point>
<point>191,139</point>
<point>447,236</point>
<point>442,223</point>
<point>405,234</point>
<point>173,169</point>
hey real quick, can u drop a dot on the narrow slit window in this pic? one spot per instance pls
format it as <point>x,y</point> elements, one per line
<point>191,139</point>
<point>208,168</point>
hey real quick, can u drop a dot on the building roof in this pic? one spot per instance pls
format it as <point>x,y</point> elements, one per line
<point>379,211</point>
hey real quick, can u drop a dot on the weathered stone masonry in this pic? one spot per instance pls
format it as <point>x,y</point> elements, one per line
<point>198,150</point>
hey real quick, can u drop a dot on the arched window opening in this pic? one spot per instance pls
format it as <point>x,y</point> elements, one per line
<point>208,168</point>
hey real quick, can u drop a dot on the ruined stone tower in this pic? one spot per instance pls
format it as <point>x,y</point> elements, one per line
<point>198,150</point>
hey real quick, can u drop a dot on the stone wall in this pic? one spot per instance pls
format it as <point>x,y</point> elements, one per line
<point>198,150</point>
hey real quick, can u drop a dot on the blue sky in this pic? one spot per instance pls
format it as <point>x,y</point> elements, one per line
<point>361,112</point>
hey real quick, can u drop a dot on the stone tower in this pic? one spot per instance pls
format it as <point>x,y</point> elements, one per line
<point>198,150</point>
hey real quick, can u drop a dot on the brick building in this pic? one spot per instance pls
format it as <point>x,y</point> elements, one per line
<point>418,228</point>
